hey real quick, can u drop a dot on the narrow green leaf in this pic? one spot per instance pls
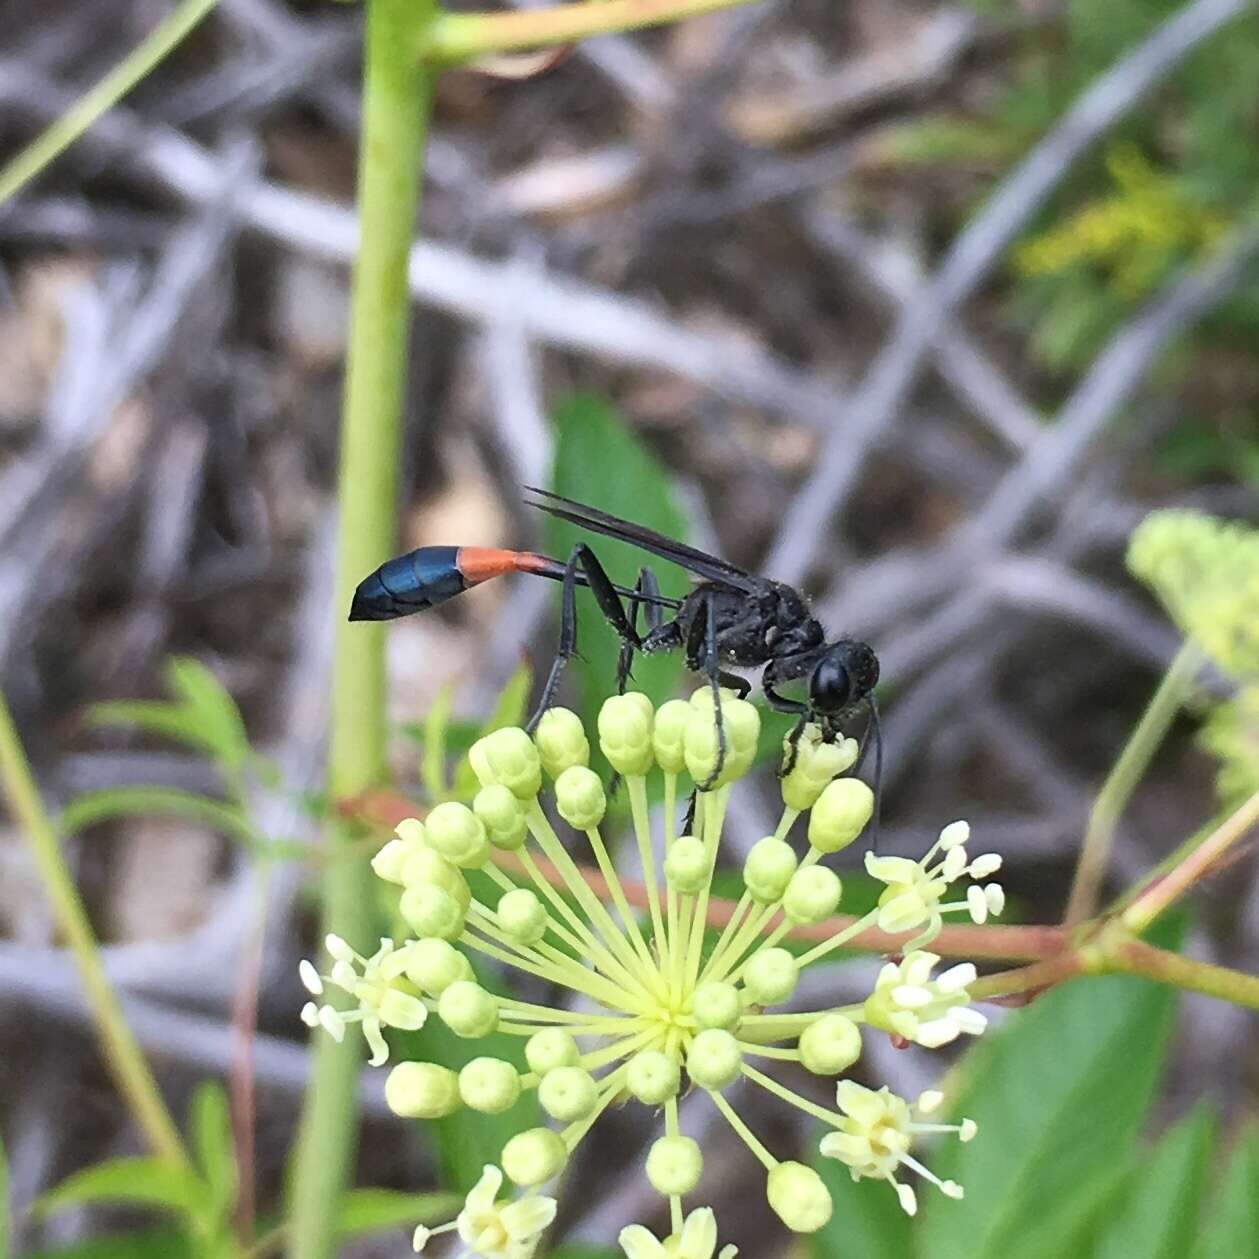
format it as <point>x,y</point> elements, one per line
<point>370,1210</point>
<point>208,699</point>
<point>433,762</point>
<point>577,1251</point>
<point>1157,1218</point>
<point>868,1222</point>
<point>156,1243</point>
<point>1231,1224</point>
<point>144,1181</point>
<point>599,460</point>
<point>210,1127</point>
<point>171,721</point>
<point>1060,1095</point>
<point>115,802</point>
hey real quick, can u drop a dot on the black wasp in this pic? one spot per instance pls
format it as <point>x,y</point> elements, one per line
<point>731,617</point>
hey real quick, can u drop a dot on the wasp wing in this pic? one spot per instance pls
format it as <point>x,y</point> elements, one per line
<point>688,557</point>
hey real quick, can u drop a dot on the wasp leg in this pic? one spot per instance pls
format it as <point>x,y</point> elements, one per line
<point>780,703</point>
<point>711,669</point>
<point>649,586</point>
<point>583,558</point>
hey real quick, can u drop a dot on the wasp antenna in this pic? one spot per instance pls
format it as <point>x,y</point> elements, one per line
<point>875,729</point>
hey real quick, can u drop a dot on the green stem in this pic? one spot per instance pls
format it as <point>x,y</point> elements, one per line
<point>1195,866</point>
<point>51,143</point>
<point>397,94</point>
<point>1123,778</point>
<point>122,1055</point>
<point>1135,957</point>
<point>459,37</point>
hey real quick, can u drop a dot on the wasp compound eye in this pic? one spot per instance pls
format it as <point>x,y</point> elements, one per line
<point>830,687</point>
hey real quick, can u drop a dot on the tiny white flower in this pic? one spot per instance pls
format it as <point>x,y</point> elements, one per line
<point>697,1240</point>
<point>876,1134</point>
<point>503,1230</point>
<point>931,1012</point>
<point>914,896</point>
<point>373,983</point>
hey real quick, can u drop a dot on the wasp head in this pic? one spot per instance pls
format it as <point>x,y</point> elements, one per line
<point>845,674</point>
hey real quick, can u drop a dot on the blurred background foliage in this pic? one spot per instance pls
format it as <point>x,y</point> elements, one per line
<point>657,279</point>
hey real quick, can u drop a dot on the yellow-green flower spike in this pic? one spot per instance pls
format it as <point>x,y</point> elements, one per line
<point>830,1045</point>
<point>840,814</point>
<point>458,834</point>
<point>568,1093</point>
<point>653,1077</point>
<point>489,1085</point>
<point>771,975</point>
<point>579,798</point>
<point>625,723</point>
<point>799,1198</point>
<point>656,1003</point>
<point>433,965</point>
<point>534,1156</point>
<point>812,896</point>
<point>422,1090</point>
<point>714,1059</point>
<point>668,735</point>
<point>768,869</point>
<point>561,741</point>
<point>550,1049</point>
<point>674,1165</point>
<point>500,813</point>
<point>468,1010</point>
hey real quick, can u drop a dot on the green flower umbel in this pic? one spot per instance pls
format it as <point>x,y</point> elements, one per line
<point>663,1006</point>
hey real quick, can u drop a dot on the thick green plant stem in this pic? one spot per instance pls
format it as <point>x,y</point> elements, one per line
<point>397,93</point>
<point>122,1055</point>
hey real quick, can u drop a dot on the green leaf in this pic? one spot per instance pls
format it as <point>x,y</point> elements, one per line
<point>433,762</point>
<point>158,1243</point>
<point>208,700</point>
<point>576,1251</point>
<point>115,802</point>
<point>210,1128</point>
<point>171,721</point>
<point>144,1181</point>
<point>1157,1218</point>
<point>1231,1228</point>
<point>1060,1095</point>
<point>599,460</point>
<point>369,1210</point>
<point>868,1222</point>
